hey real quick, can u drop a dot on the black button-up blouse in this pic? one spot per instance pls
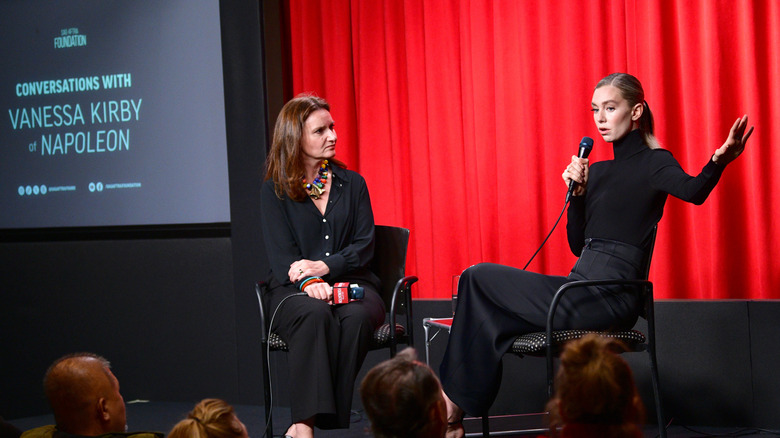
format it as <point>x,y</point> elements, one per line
<point>343,237</point>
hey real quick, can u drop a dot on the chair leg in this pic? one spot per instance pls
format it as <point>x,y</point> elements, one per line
<point>267,393</point>
<point>649,306</point>
<point>550,373</point>
<point>486,425</point>
<point>393,349</point>
<point>657,392</point>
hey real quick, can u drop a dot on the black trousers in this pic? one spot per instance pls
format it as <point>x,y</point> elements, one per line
<point>497,303</point>
<point>327,347</point>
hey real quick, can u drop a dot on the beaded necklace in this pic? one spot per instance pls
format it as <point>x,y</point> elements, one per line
<point>315,188</point>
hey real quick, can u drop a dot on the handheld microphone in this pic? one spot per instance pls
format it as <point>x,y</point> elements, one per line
<point>344,293</point>
<point>586,144</point>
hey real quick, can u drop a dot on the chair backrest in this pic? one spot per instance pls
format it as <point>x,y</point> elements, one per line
<point>389,258</point>
<point>649,252</point>
<point>649,258</point>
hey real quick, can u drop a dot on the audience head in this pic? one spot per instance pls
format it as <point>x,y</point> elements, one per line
<point>211,418</point>
<point>403,398</point>
<point>595,386</point>
<point>8,430</point>
<point>84,395</point>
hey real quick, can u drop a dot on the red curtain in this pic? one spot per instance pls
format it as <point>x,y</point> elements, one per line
<point>462,115</point>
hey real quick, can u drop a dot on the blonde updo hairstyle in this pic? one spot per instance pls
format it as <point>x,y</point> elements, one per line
<point>211,418</point>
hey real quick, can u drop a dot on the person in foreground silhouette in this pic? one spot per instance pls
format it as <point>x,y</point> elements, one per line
<point>84,396</point>
<point>595,394</point>
<point>403,399</point>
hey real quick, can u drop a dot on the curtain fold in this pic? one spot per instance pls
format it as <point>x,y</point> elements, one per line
<point>462,115</point>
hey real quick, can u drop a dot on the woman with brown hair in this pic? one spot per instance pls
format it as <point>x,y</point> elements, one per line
<point>595,394</point>
<point>403,399</point>
<point>318,229</point>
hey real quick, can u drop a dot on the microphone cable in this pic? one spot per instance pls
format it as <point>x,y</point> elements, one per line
<point>268,363</point>
<point>550,233</point>
<point>585,146</point>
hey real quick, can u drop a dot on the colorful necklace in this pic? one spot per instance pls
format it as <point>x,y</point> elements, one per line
<point>316,187</point>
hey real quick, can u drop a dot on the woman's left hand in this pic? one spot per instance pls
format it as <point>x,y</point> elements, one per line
<point>734,144</point>
<point>307,268</point>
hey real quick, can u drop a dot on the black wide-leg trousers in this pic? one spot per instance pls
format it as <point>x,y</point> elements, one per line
<point>327,344</point>
<point>497,303</point>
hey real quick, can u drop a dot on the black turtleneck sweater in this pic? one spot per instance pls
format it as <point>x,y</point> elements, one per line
<point>625,196</point>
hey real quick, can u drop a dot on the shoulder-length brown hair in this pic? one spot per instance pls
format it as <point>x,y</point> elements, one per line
<point>284,164</point>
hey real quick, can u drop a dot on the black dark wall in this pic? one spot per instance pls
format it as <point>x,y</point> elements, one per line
<point>172,310</point>
<point>242,44</point>
<point>160,310</point>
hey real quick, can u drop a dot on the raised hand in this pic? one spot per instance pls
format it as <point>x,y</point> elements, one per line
<point>735,143</point>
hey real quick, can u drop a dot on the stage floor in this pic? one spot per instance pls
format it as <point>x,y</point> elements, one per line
<point>162,416</point>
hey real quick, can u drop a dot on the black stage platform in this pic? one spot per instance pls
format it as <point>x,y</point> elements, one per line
<point>162,416</point>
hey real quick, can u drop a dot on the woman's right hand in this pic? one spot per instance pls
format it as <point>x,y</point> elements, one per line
<point>577,171</point>
<point>321,291</point>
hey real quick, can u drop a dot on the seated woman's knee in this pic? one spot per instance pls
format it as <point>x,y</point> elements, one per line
<point>313,311</point>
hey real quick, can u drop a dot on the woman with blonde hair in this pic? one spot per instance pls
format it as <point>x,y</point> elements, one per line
<point>211,418</point>
<point>614,207</point>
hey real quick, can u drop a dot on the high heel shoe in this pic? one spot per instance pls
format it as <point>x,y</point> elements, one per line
<point>454,418</point>
<point>455,428</point>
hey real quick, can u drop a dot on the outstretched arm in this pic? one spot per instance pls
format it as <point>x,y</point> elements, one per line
<point>669,176</point>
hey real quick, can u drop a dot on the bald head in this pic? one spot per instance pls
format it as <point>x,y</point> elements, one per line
<point>84,395</point>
